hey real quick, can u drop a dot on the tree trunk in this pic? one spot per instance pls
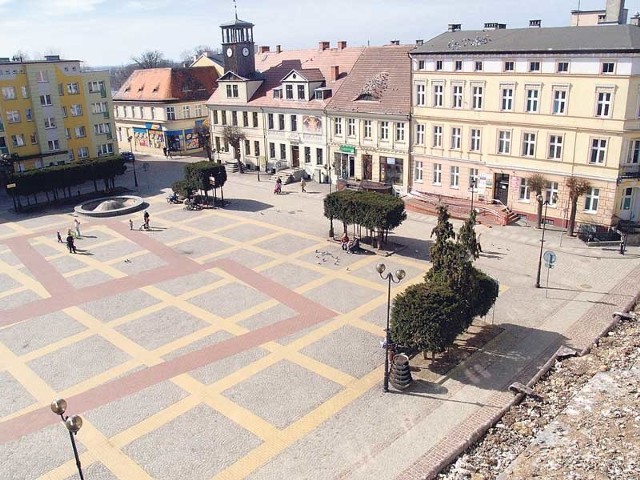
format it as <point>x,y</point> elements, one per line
<point>572,217</point>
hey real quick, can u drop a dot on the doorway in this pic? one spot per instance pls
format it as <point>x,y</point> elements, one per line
<point>367,167</point>
<point>295,156</point>
<point>501,192</point>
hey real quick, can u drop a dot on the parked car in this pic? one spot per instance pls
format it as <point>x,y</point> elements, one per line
<point>127,156</point>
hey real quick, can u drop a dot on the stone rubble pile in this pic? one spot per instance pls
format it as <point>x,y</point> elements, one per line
<point>585,425</point>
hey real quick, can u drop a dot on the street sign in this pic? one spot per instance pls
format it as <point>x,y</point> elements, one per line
<point>549,258</point>
<point>11,185</point>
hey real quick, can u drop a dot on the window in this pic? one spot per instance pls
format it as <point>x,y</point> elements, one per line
<point>524,193</point>
<point>608,67</point>
<point>456,138</point>
<point>256,148</point>
<point>101,128</point>
<point>64,112</point>
<point>337,126</point>
<point>80,132</point>
<point>534,66</point>
<point>171,113</point>
<point>223,117</point>
<point>234,118</point>
<point>96,86</point>
<point>294,123</point>
<point>591,200</point>
<point>8,93</point>
<point>45,100</point>
<point>13,116</point>
<point>288,92</point>
<point>627,196</point>
<point>351,127</point>
<point>307,154</point>
<point>635,152</point>
<point>384,130</point>
<point>277,92</point>
<point>473,179</point>
<point>28,115</point>
<point>455,177</point>
<point>301,93</point>
<point>477,97</point>
<point>319,157</point>
<point>475,140</point>
<point>458,65</point>
<point>49,122</point>
<point>67,133</point>
<point>217,142</point>
<point>437,136</point>
<point>70,155</point>
<point>255,119</point>
<point>245,119</point>
<point>533,97</point>
<point>551,193</point>
<point>101,107</point>
<point>603,104</point>
<point>506,102</point>
<point>247,147</point>
<point>438,65</point>
<point>504,142</point>
<point>478,66</point>
<point>17,140</point>
<point>270,121</point>
<point>76,110</point>
<point>438,95</point>
<point>417,171</point>
<point>232,91</point>
<point>555,147</point>
<point>43,76</point>
<point>437,174</point>
<point>598,150</point>
<point>562,67</point>
<point>509,66</point>
<point>283,151</point>
<point>272,150</point>
<point>53,145</point>
<point>559,102</point>
<point>25,92</point>
<point>456,99</point>
<point>400,132</point>
<point>83,152</point>
<point>419,134</point>
<point>105,149</point>
<point>73,89</point>
<point>215,117</point>
<point>421,64</point>
<point>420,94</point>
<point>367,129</point>
<point>153,112</point>
<point>281,121</point>
<point>528,144</point>
<point>186,111</point>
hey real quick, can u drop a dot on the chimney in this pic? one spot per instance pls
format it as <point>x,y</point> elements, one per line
<point>635,20</point>
<point>616,13</point>
<point>52,58</point>
<point>535,23</point>
<point>263,48</point>
<point>322,46</point>
<point>495,26</point>
<point>342,45</point>
<point>419,42</point>
<point>455,27</point>
<point>278,49</point>
<point>334,73</point>
<point>395,42</point>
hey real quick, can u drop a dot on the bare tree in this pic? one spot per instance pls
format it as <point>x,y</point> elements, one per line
<point>204,137</point>
<point>577,187</point>
<point>188,55</point>
<point>234,136</point>
<point>537,183</point>
<point>151,59</point>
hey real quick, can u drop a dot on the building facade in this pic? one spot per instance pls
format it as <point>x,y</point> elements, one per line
<point>160,108</point>
<point>493,107</point>
<point>53,112</point>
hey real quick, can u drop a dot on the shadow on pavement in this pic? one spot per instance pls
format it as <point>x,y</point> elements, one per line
<point>413,247</point>
<point>246,205</point>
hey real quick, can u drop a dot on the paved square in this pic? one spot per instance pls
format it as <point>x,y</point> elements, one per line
<point>14,396</point>
<point>219,301</point>
<point>110,308</point>
<point>342,296</point>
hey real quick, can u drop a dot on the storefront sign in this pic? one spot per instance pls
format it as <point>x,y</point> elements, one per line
<point>347,149</point>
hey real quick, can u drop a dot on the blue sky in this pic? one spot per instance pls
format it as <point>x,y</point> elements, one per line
<point>110,32</point>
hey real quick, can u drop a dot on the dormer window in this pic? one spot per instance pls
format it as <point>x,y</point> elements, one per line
<point>232,91</point>
<point>322,93</point>
<point>289,91</point>
<point>277,92</point>
<point>301,92</point>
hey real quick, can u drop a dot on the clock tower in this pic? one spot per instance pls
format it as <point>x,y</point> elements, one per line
<point>238,48</point>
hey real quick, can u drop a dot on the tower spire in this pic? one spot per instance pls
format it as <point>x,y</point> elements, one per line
<point>235,7</point>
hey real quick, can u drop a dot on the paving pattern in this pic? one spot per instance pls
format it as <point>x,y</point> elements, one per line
<point>225,344</point>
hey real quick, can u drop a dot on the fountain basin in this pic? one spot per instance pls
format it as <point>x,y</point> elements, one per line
<point>111,206</point>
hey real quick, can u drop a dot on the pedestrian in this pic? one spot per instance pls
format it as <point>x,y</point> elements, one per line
<point>478,242</point>
<point>344,240</point>
<point>130,224</point>
<point>164,150</point>
<point>146,220</point>
<point>59,237</point>
<point>77,224</point>
<point>303,185</point>
<point>70,244</point>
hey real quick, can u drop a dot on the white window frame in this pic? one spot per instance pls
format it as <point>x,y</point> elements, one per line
<point>50,122</point>
<point>76,110</point>
<point>53,145</point>
<point>437,174</point>
<point>420,133</point>
<point>529,144</point>
<point>454,179</point>
<point>457,95</point>
<point>551,193</point>
<point>598,151</point>
<point>438,95</point>
<point>73,88</point>
<point>9,93</point>
<point>80,131</point>
<point>456,138</point>
<point>475,140</point>
<point>45,100</point>
<point>418,171</point>
<point>477,97</point>
<point>399,131</point>
<point>559,100</point>
<point>524,194</point>
<point>532,100</point>
<point>608,68</point>
<point>504,142</point>
<point>384,130</point>
<point>627,199</point>
<point>591,200</point>
<point>171,113</point>
<point>351,127</point>
<point>507,94</point>
<point>186,111</point>
<point>368,129</point>
<point>437,136</point>
<point>604,103</point>
<point>474,174</point>
<point>556,144</point>
<point>421,94</point>
<point>634,152</point>
<point>337,126</point>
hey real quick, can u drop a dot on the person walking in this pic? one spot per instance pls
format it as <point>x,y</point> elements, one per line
<point>164,150</point>
<point>59,237</point>
<point>77,224</point>
<point>70,244</point>
<point>303,185</point>
<point>146,220</point>
<point>130,224</point>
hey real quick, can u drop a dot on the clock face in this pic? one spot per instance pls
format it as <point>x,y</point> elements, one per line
<point>229,52</point>
<point>245,51</point>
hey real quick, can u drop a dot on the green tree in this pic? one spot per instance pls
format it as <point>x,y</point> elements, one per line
<point>577,187</point>
<point>234,136</point>
<point>537,183</point>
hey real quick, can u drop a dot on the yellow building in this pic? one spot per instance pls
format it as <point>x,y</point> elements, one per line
<point>52,111</point>
<point>492,107</point>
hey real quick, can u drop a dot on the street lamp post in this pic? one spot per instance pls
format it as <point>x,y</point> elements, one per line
<point>73,424</point>
<point>474,182</point>
<point>544,227</point>
<point>133,161</point>
<point>400,274</point>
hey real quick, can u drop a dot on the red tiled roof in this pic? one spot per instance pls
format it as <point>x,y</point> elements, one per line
<point>169,84</point>
<point>311,74</point>
<point>380,82</point>
<point>274,66</point>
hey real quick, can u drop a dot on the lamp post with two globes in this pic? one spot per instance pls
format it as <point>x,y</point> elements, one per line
<point>73,424</point>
